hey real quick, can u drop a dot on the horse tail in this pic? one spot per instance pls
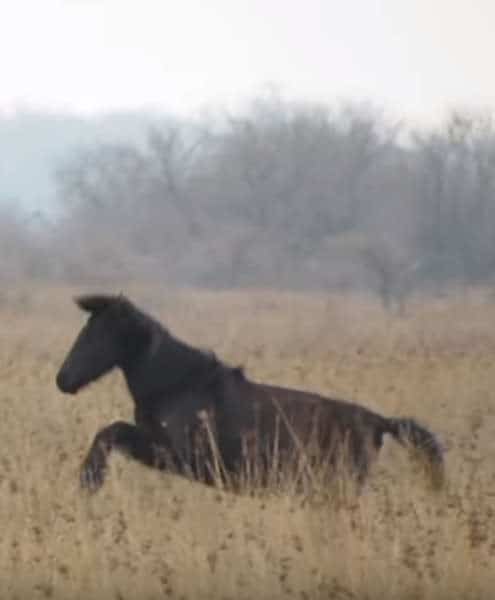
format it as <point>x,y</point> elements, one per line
<point>410,433</point>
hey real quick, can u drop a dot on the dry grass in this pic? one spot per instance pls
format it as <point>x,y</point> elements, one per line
<point>149,535</point>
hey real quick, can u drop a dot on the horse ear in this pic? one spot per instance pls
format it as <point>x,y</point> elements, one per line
<point>95,304</point>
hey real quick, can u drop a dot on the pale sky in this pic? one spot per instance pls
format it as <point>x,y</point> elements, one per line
<point>417,58</point>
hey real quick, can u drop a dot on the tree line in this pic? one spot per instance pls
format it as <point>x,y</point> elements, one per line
<point>283,194</point>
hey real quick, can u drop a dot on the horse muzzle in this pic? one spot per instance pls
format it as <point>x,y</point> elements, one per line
<point>65,385</point>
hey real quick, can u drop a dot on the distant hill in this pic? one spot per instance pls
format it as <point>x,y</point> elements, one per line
<point>32,144</point>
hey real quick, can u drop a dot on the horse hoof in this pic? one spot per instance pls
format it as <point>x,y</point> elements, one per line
<point>91,479</point>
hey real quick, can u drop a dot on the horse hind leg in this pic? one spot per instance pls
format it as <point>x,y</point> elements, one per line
<point>365,451</point>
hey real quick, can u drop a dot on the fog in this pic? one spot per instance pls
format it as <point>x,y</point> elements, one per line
<point>285,194</point>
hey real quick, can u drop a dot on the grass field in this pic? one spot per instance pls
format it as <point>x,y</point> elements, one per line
<point>150,535</point>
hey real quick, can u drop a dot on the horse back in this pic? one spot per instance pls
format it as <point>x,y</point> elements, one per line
<point>298,417</point>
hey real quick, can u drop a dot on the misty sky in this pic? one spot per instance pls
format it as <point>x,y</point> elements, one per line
<point>415,57</point>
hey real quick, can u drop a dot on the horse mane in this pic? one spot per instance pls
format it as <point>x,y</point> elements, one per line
<point>180,366</point>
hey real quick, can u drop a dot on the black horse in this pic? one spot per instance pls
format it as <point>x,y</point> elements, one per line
<point>199,417</point>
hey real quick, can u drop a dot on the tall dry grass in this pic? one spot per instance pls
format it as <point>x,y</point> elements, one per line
<point>150,535</point>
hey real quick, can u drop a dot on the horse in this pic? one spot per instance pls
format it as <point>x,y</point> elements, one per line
<point>199,417</point>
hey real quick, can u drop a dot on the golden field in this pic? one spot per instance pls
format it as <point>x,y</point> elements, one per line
<point>150,535</point>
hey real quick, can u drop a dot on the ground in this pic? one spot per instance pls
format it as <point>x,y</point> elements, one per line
<point>149,535</point>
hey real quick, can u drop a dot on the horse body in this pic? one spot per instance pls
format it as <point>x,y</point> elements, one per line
<point>199,417</point>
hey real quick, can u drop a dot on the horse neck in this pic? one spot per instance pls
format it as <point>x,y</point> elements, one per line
<point>163,367</point>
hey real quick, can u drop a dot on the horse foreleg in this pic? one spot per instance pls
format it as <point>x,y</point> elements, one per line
<point>128,439</point>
